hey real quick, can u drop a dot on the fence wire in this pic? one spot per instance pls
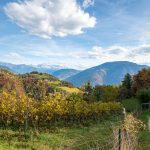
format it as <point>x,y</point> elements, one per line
<point>110,142</point>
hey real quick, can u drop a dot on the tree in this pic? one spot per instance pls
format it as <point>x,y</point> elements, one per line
<point>105,93</point>
<point>127,81</point>
<point>125,88</point>
<point>88,89</point>
<point>144,95</point>
<point>98,93</point>
<point>141,80</point>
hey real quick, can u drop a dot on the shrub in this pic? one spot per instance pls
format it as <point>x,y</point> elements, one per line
<point>131,104</point>
<point>144,95</point>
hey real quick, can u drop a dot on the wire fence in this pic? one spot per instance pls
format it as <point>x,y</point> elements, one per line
<point>93,141</point>
<point>118,139</point>
<point>110,135</point>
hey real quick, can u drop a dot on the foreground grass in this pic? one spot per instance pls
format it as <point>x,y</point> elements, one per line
<point>92,135</point>
<point>73,138</point>
<point>144,136</point>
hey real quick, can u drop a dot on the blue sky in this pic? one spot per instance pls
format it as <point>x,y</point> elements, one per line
<point>74,33</point>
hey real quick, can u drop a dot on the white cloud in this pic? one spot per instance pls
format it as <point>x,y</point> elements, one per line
<point>143,49</point>
<point>46,18</point>
<point>98,55</point>
<point>139,54</point>
<point>87,3</point>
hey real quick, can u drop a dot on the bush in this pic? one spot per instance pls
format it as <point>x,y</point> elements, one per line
<point>144,95</point>
<point>131,104</point>
<point>105,93</point>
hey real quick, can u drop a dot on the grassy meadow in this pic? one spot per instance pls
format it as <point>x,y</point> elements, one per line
<point>76,137</point>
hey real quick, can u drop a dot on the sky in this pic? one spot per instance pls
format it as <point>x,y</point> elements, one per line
<point>74,33</point>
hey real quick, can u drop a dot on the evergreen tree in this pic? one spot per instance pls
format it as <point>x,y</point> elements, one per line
<point>88,89</point>
<point>125,88</point>
<point>127,81</point>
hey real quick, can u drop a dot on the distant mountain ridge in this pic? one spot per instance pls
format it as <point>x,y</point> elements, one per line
<point>62,74</point>
<point>110,73</point>
<point>5,68</point>
<point>22,68</point>
<point>56,70</point>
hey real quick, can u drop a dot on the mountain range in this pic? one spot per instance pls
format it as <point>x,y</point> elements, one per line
<point>110,73</point>
<point>63,74</point>
<point>22,68</point>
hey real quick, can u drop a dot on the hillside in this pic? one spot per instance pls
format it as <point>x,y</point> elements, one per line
<point>110,73</point>
<point>34,84</point>
<point>65,73</point>
<point>10,82</point>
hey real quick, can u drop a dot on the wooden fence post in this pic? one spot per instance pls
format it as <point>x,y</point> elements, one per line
<point>149,123</point>
<point>119,140</point>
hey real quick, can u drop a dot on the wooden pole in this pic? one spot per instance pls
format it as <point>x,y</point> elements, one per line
<point>149,123</point>
<point>119,140</point>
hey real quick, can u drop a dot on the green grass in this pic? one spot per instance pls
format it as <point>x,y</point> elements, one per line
<point>131,105</point>
<point>144,136</point>
<point>72,138</point>
<point>76,137</point>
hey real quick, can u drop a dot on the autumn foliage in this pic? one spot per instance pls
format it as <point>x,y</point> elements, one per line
<point>141,80</point>
<point>34,100</point>
<point>14,110</point>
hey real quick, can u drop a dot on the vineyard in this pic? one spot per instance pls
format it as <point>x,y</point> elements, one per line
<point>74,74</point>
<point>38,111</point>
<point>15,111</point>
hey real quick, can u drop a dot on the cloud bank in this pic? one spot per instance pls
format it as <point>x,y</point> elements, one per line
<point>47,18</point>
<point>139,54</point>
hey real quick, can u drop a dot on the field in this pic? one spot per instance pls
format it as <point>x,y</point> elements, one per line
<point>77,137</point>
<point>74,137</point>
<point>92,135</point>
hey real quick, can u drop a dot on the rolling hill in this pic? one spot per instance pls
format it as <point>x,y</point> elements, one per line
<point>110,73</point>
<point>35,85</point>
<point>10,82</point>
